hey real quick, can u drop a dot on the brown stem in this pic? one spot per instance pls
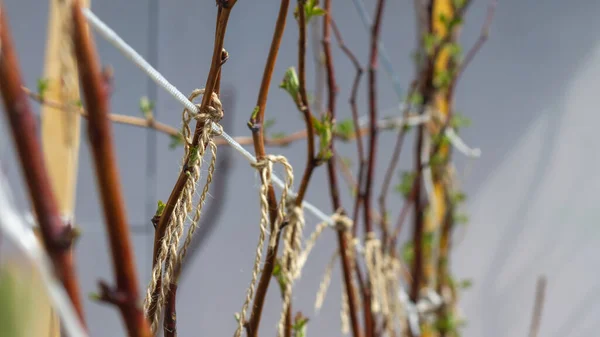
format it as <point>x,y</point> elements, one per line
<point>310,153</point>
<point>255,124</point>
<point>125,295</point>
<point>218,58</point>
<point>387,181</point>
<point>540,291</point>
<point>332,174</point>
<point>417,269</point>
<point>370,174</point>
<point>311,160</point>
<point>483,36</point>
<point>57,236</point>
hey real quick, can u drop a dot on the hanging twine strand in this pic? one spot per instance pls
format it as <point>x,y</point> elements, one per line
<point>169,257</point>
<point>265,167</point>
<point>292,246</point>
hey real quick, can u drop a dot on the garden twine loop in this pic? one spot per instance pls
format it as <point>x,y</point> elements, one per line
<point>169,258</point>
<point>265,168</point>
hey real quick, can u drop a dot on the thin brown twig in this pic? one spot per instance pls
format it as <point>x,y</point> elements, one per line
<point>256,126</point>
<point>332,174</point>
<point>311,160</point>
<point>306,111</point>
<point>370,173</point>
<point>57,236</point>
<point>483,36</point>
<point>387,180</point>
<point>125,295</point>
<point>536,317</point>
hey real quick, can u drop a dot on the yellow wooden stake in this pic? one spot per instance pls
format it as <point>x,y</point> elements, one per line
<point>60,129</point>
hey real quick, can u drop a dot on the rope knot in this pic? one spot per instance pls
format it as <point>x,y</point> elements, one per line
<point>342,221</point>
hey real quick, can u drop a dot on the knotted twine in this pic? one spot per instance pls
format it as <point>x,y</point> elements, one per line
<point>265,167</point>
<point>168,257</point>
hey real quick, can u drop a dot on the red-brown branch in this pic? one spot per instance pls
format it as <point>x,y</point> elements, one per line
<point>370,173</point>
<point>256,126</point>
<point>125,295</point>
<point>332,172</point>
<point>57,236</point>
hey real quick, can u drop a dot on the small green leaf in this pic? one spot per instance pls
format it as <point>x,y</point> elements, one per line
<point>437,159</point>
<point>194,155</point>
<point>465,284</point>
<point>442,79</point>
<point>146,107</point>
<point>428,239</point>
<point>458,198</point>
<point>160,208</point>
<point>300,325</point>
<point>42,87</point>
<point>78,103</point>
<point>446,323</point>
<point>237,317</point>
<point>278,135</point>
<point>440,139</point>
<point>278,274</point>
<point>255,113</point>
<point>324,129</point>
<point>291,84</point>
<point>459,3</point>
<point>176,140</point>
<point>345,129</point>
<point>455,51</point>
<point>408,252</point>
<point>416,99</point>
<point>460,218</point>
<point>406,183</point>
<point>311,9</point>
<point>269,123</point>
<point>94,296</point>
<point>459,121</point>
<point>430,42</point>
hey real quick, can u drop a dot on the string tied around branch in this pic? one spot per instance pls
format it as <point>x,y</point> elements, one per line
<point>265,167</point>
<point>169,256</point>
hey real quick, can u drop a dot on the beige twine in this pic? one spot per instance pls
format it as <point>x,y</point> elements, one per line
<point>324,285</point>
<point>292,245</point>
<point>168,257</point>
<point>265,167</point>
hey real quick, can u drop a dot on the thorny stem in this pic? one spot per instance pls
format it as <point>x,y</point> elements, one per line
<point>218,58</point>
<point>57,236</point>
<point>256,126</point>
<point>125,296</point>
<point>332,173</point>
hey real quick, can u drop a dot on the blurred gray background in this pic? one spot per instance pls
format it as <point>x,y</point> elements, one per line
<point>531,93</point>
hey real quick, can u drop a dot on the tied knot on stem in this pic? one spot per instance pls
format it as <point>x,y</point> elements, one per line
<point>170,257</point>
<point>341,221</point>
<point>265,168</point>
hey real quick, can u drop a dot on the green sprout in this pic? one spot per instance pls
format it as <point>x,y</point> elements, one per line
<point>42,87</point>
<point>146,107</point>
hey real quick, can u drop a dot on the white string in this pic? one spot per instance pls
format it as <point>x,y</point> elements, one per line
<point>14,227</point>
